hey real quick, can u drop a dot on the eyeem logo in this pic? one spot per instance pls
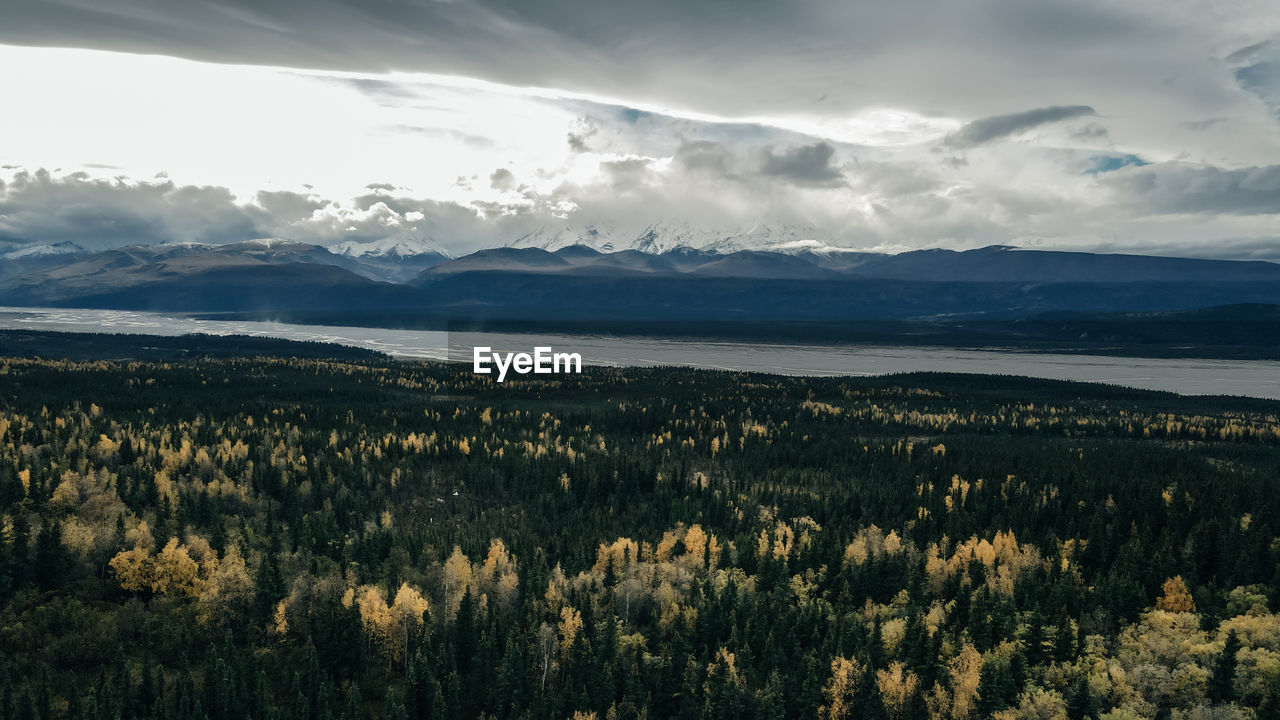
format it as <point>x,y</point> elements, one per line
<point>542,362</point>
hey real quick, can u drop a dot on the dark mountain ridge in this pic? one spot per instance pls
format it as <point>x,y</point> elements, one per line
<point>583,284</point>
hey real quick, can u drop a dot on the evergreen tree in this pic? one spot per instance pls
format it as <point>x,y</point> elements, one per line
<point>1222,682</point>
<point>354,708</point>
<point>1080,702</point>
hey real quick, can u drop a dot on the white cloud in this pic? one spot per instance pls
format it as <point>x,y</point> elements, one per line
<point>326,156</point>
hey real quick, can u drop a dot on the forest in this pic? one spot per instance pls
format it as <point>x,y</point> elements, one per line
<point>217,538</point>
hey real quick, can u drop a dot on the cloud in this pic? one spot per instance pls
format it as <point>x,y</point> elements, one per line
<point>887,202</point>
<point>1266,247</point>
<point>1247,52</point>
<point>704,123</point>
<point>1203,125</point>
<point>579,133</point>
<point>286,206</point>
<point>1262,79</point>
<point>37,207</point>
<point>628,174</point>
<point>704,156</point>
<point>703,113</point>
<point>1257,71</point>
<point>717,57</point>
<point>1092,131</point>
<point>502,179</point>
<point>804,165</point>
<point>988,129</point>
<point>1181,189</point>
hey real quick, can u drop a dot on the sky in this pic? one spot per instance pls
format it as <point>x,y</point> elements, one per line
<point>1144,126</point>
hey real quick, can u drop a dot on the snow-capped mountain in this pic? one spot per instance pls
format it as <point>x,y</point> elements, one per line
<point>50,250</point>
<point>404,244</point>
<point>660,238</point>
<point>551,239</point>
<point>760,237</point>
<point>395,258</point>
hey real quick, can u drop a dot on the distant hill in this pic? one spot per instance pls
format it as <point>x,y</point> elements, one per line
<point>100,346</point>
<point>563,295</point>
<point>990,264</point>
<point>583,283</point>
<point>1005,264</point>
<point>396,258</point>
<point>243,276</point>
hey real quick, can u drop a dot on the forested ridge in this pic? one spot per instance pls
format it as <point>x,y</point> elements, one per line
<point>289,538</point>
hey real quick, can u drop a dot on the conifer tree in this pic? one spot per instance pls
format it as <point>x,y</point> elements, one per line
<point>1222,682</point>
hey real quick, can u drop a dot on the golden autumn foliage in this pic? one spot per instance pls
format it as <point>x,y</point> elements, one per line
<point>498,577</point>
<point>570,624</point>
<point>227,591</point>
<point>557,586</point>
<point>140,536</point>
<point>723,669</point>
<point>1176,598</point>
<point>280,619</point>
<point>390,626</point>
<point>841,689</point>
<point>174,572</point>
<point>777,542</point>
<point>133,569</point>
<point>620,555</point>
<point>457,580</point>
<point>896,686</point>
<point>870,543</point>
<point>965,670</point>
<point>369,503</point>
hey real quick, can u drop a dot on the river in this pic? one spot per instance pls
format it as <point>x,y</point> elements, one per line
<point>1252,378</point>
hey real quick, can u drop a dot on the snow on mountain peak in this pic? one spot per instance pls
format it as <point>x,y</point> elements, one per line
<point>551,239</point>
<point>659,238</point>
<point>65,247</point>
<point>404,244</point>
<point>269,242</point>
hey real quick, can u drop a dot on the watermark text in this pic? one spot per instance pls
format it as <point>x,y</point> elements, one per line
<point>543,361</point>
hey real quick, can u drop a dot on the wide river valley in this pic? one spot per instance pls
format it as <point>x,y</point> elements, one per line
<point>1254,378</point>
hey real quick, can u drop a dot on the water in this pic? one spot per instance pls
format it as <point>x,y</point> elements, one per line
<point>1253,378</point>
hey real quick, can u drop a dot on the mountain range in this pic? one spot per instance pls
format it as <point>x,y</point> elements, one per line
<point>659,238</point>
<point>661,275</point>
<point>396,258</point>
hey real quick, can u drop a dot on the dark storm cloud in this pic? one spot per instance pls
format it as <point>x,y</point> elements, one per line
<point>674,53</point>
<point>288,206</point>
<point>36,207</point>
<point>1176,189</point>
<point>804,165</point>
<point>39,208</point>
<point>985,130</point>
